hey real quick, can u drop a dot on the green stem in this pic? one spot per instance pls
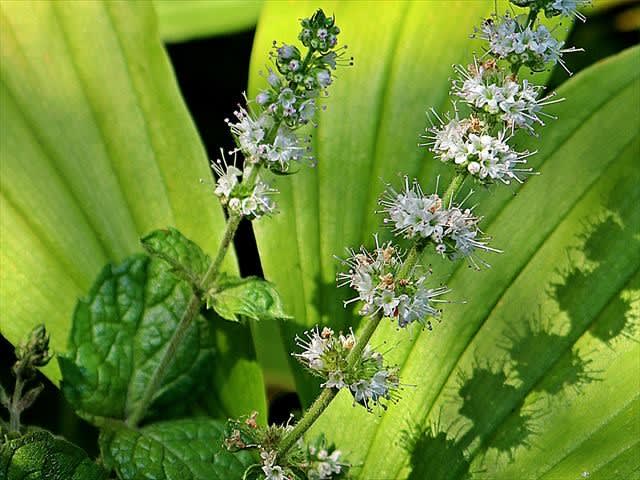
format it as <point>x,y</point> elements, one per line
<point>310,416</point>
<point>453,187</point>
<point>192,310</point>
<point>14,410</point>
<point>328,394</point>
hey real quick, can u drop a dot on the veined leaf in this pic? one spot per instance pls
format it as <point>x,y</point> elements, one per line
<point>506,368</point>
<point>97,149</point>
<point>120,331</point>
<point>40,455</point>
<point>190,449</point>
<point>250,297</point>
<point>186,258</point>
<point>188,19</point>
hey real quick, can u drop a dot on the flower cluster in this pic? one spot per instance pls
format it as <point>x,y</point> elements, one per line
<point>326,354</point>
<point>324,461</point>
<point>317,460</point>
<point>498,103</point>
<point>466,143</point>
<point>251,200</point>
<point>495,97</point>
<point>521,44</point>
<point>451,228</point>
<point>266,134</point>
<point>383,286</point>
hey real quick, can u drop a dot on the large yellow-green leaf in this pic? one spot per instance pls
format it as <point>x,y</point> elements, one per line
<point>539,369</point>
<point>368,136</point>
<point>182,20</point>
<point>97,149</point>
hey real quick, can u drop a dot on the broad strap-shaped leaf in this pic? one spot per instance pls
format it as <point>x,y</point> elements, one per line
<point>400,73</point>
<point>121,330</point>
<point>185,257</point>
<point>40,455</point>
<point>189,19</point>
<point>96,150</point>
<point>534,377</point>
<point>251,297</point>
<point>190,449</point>
<point>366,138</point>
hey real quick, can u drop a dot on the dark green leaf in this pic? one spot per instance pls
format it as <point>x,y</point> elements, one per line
<point>189,449</point>
<point>41,456</point>
<point>120,331</point>
<point>185,257</point>
<point>251,297</point>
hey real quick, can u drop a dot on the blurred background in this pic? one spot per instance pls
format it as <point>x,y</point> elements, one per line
<point>212,74</point>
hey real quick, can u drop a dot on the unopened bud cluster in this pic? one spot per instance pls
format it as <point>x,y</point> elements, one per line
<point>32,353</point>
<point>266,132</point>
<point>326,355</point>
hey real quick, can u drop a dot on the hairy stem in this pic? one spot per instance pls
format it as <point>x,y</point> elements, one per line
<point>319,405</point>
<point>192,310</point>
<point>14,409</point>
<point>328,394</point>
<point>453,187</point>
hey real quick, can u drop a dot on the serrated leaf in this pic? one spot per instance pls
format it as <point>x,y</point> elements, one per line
<point>185,257</point>
<point>189,19</point>
<point>96,150</point>
<point>41,456</point>
<point>119,333</point>
<point>190,449</point>
<point>478,378</point>
<point>251,297</point>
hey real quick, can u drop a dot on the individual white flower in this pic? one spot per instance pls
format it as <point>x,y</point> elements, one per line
<point>286,149</point>
<point>374,382</point>
<point>324,461</point>
<point>250,133</point>
<point>269,468</point>
<point>313,347</point>
<point>227,181</point>
<point>567,8</point>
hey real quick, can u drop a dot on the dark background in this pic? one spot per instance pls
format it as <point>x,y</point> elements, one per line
<point>212,74</point>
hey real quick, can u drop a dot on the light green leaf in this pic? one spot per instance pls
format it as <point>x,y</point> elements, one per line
<point>367,137</point>
<point>97,149</point>
<point>501,406</point>
<point>186,258</point>
<point>190,449</point>
<point>251,297</point>
<point>540,362</point>
<point>182,20</point>
<point>120,331</point>
<point>40,455</point>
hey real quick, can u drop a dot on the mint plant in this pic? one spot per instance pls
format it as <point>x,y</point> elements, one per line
<point>144,338</point>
